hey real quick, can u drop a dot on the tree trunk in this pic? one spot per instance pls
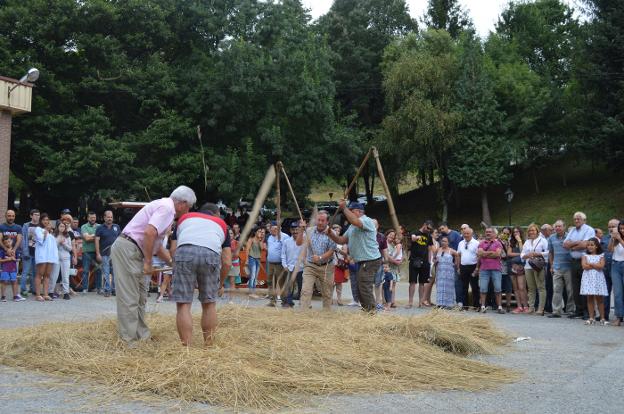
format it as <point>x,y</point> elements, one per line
<point>372,187</point>
<point>537,190</point>
<point>485,207</point>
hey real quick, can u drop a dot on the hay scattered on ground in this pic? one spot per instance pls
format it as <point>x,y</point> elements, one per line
<point>266,359</point>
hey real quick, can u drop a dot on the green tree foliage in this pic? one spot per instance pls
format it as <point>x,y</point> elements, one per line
<point>124,85</point>
<point>480,157</point>
<point>597,98</point>
<point>541,36</point>
<point>447,15</point>
<point>357,32</point>
<point>420,129</point>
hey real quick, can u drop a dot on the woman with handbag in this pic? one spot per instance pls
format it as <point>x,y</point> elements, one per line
<point>518,278</point>
<point>535,252</point>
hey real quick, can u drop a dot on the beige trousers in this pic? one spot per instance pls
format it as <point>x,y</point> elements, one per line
<point>325,276</point>
<point>536,283</point>
<point>127,261</point>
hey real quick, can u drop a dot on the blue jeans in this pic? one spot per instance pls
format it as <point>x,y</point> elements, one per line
<point>87,260</point>
<point>107,269</point>
<point>28,273</point>
<point>388,278</point>
<point>254,268</point>
<point>617,279</point>
<point>353,269</point>
<point>379,276</point>
<point>484,279</point>
<point>291,294</point>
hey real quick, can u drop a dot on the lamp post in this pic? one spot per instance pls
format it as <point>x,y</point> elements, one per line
<point>15,99</point>
<point>509,195</point>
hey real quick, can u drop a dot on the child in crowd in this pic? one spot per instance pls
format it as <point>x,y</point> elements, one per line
<point>233,276</point>
<point>593,282</point>
<point>341,268</point>
<point>8,268</point>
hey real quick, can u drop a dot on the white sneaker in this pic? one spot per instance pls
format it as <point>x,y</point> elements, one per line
<point>353,303</point>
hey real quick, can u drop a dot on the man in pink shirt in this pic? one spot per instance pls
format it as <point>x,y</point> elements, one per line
<point>489,254</point>
<point>132,253</point>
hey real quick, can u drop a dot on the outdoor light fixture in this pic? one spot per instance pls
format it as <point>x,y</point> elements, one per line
<point>31,76</point>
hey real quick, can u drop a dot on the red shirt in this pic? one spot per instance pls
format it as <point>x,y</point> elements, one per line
<point>486,263</point>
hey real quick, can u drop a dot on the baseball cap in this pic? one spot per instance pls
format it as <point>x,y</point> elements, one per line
<point>354,205</point>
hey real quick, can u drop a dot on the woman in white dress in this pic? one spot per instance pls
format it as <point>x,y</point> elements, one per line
<point>593,282</point>
<point>46,256</point>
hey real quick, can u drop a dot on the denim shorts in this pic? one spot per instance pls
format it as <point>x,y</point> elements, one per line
<point>484,280</point>
<point>8,277</point>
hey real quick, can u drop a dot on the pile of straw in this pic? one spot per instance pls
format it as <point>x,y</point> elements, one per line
<point>266,359</point>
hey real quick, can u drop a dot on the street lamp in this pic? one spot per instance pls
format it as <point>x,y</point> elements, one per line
<point>509,195</point>
<point>31,76</point>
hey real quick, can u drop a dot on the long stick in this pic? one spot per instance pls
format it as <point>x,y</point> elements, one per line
<point>292,193</point>
<point>382,178</point>
<point>265,188</point>
<point>355,178</point>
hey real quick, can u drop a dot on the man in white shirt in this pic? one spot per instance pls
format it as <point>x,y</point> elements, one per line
<point>290,257</point>
<point>576,243</point>
<point>467,250</point>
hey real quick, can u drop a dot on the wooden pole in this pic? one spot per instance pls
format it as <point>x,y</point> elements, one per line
<point>382,178</point>
<point>278,201</point>
<point>292,193</point>
<point>265,188</point>
<point>350,186</point>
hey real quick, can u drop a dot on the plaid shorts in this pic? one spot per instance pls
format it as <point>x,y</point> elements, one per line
<point>195,266</point>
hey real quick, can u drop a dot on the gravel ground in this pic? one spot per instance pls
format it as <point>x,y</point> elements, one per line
<point>564,367</point>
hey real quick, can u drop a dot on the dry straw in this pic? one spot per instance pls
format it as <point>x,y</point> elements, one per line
<point>267,359</point>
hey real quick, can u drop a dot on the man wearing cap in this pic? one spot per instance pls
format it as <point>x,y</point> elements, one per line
<point>132,253</point>
<point>361,237</point>
<point>275,274</point>
<point>319,265</point>
<point>290,257</point>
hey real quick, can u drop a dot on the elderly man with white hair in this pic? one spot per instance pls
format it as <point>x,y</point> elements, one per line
<point>576,243</point>
<point>132,253</point>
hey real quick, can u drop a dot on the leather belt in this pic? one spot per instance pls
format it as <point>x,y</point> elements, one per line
<point>131,240</point>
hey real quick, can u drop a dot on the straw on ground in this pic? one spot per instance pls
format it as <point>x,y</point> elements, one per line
<point>267,359</point>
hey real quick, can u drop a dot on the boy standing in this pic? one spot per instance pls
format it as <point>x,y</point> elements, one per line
<point>8,269</point>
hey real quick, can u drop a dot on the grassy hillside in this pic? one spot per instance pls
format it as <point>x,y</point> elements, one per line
<point>598,193</point>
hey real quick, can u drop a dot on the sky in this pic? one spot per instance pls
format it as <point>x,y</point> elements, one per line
<point>484,13</point>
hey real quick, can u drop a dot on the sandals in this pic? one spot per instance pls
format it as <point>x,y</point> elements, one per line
<point>604,322</point>
<point>590,322</point>
<point>409,306</point>
<point>47,298</point>
<point>39,298</point>
<point>617,322</point>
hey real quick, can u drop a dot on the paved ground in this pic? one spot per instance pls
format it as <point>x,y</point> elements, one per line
<point>566,367</point>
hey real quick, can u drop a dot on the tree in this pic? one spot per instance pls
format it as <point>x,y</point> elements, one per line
<point>447,15</point>
<point>480,157</point>
<point>421,126</point>
<point>125,84</point>
<point>357,32</point>
<point>598,96</point>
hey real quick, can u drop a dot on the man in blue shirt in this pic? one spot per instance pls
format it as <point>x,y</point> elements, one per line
<point>576,243</point>
<point>275,274</point>
<point>290,257</point>
<point>105,236</point>
<point>453,237</point>
<point>28,252</point>
<point>361,236</point>
<point>561,264</point>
